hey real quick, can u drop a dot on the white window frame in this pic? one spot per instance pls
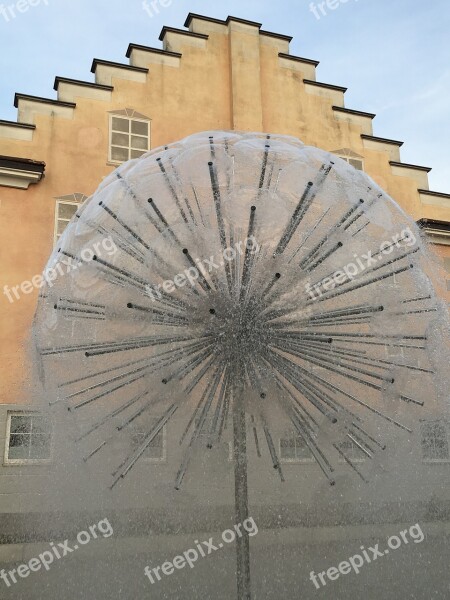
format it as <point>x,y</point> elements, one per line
<point>129,148</point>
<point>57,219</point>
<point>14,462</point>
<point>349,158</point>
<point>359,460</point>
<point>295,461</point>
<point>433,461</point>
<point>163,457</point>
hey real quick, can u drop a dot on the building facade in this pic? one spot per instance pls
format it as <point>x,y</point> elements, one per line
<point>212,75</point>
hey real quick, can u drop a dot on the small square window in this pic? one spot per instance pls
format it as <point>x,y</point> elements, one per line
<point>129,138</point>
<point>358,164</point>
<point>435,442</point>
<point>156,451</point>
<point>28,439</point>
<point>352,451</point>
<point>293,449</point>
<point>392,351</point>
<point>64,213</point>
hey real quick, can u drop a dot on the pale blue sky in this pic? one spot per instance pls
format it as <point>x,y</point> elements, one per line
<point>394,55</point>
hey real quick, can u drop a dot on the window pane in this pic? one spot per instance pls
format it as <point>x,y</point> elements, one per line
<point>356,163</point>
<point>120,154</point>
<point>20,424</point>
<point>294,448</point>
<point>352,451</point>
<point>137,153</point>
<point>302,450</point>
<point>139,142</point>
<point>139,127</point>
<point>287,448</point>
<point>120,139</point>
<point>40,447</point>
<point>435,442</point>
<point>66,211</point>
<point>61,227</point>
<point>120,124</point>
<point>40,425</point>
<point>155,449</point>
<point>18,446</point>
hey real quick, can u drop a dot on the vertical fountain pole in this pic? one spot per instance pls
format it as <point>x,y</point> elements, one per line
<point>241,486</point>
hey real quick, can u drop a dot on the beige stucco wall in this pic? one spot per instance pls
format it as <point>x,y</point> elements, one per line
<point>235,79</point>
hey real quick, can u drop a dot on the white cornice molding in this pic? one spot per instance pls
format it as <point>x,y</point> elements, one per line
<point>18,178</point>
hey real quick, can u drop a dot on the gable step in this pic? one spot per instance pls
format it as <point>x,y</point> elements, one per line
<point>28,106</point>
<point>279,36</point>
<point>355,117</point>
<point>335,93</point>
<point>193,16</point>
<point>307,61</point>
<point>243,22</point>
<point>408,166</point>
<point>16,131</point>
<point>202,24</point>
<point>382,140</point>
<point>69,89</point>
<point>351,111</point>
<point>435,205</point>
<point>140,56</point>
<point>105,70</point>
<point>420,174</point>
<point>16,124</point>
<point>327,86</point>
<point>174,39</point>
<point>205,25</point>
<point>297,63</point>
<point>277,41</point>
<point>392,147</point>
